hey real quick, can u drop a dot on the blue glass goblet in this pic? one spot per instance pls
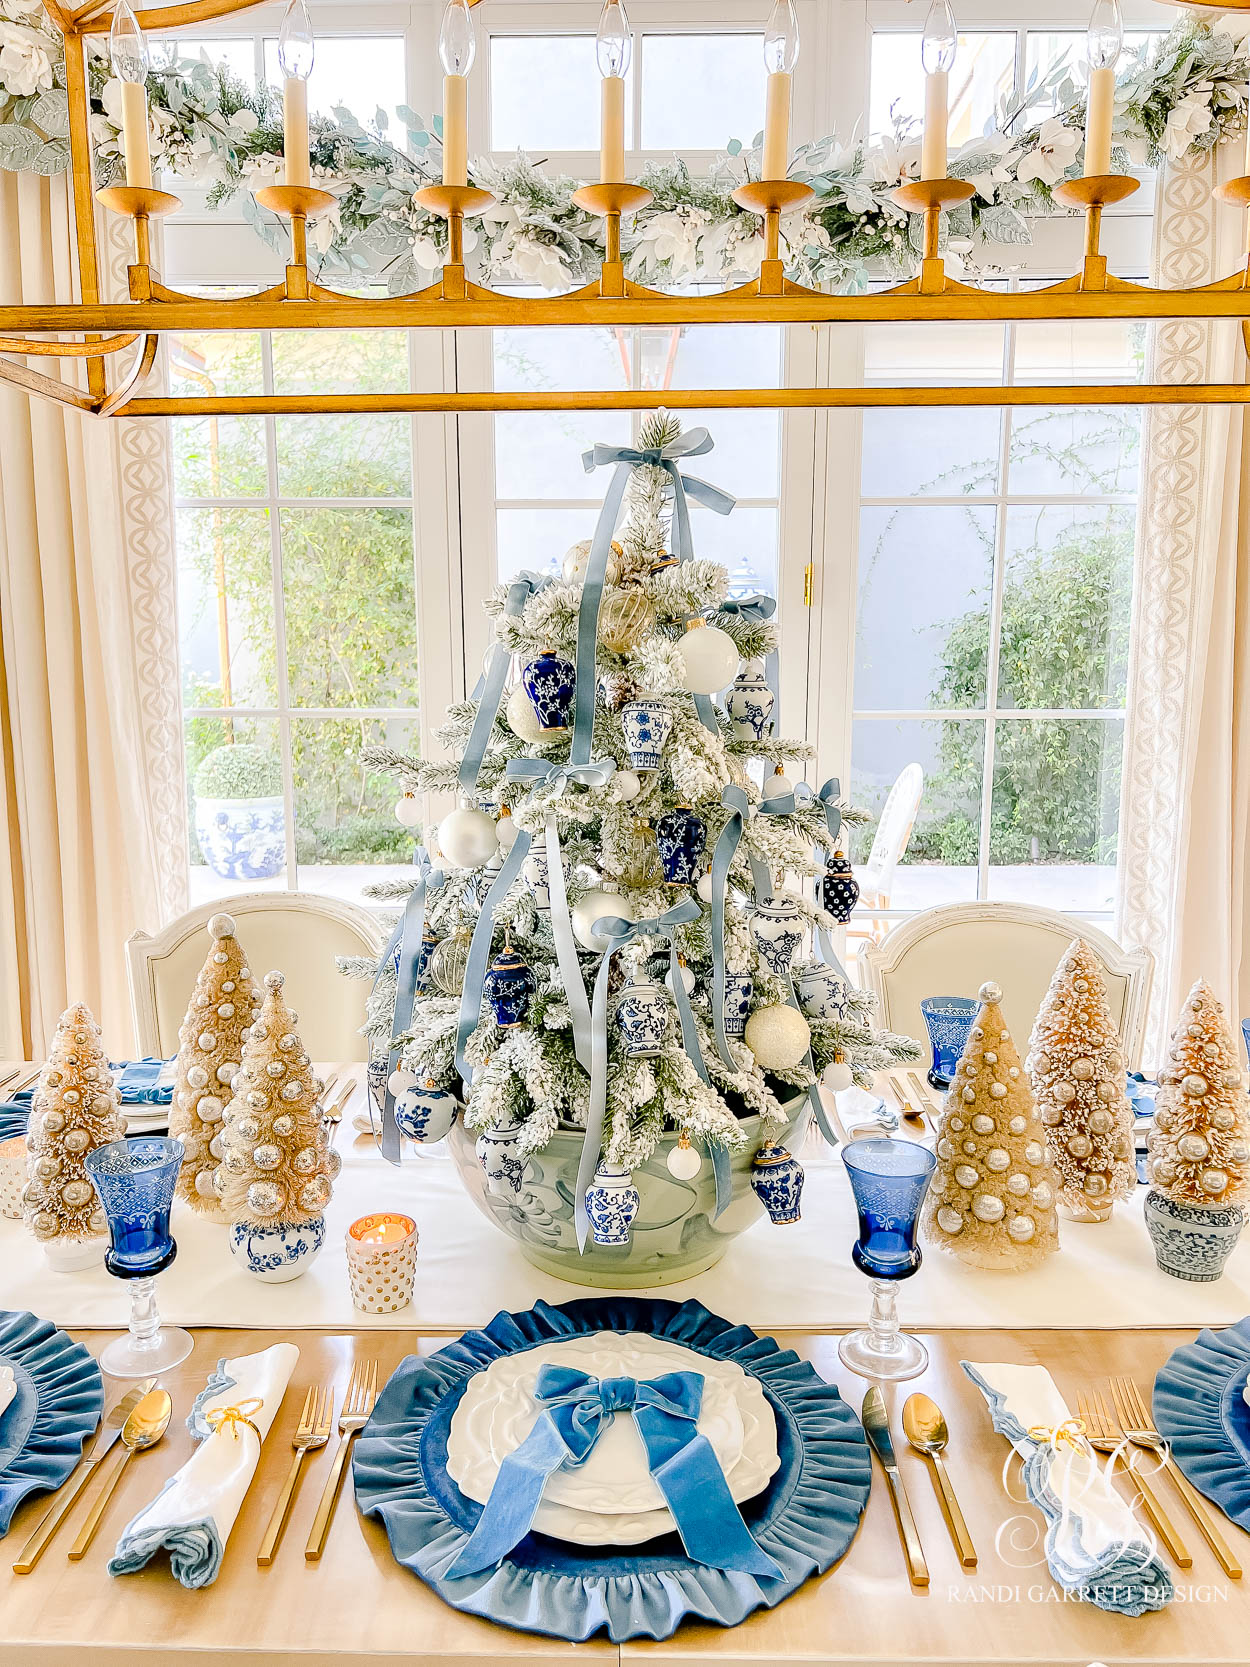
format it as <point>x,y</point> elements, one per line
<point>135,1181</point>
<point>948,1020</point>
<point>889,1179</point>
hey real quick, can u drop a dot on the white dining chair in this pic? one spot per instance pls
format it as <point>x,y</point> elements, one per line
<point>876,877</point>
<point>954,949</point>
<point>298,933</point>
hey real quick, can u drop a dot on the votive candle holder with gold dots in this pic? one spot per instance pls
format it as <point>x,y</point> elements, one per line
<point>13,1161</point>
<point>382,1262</point>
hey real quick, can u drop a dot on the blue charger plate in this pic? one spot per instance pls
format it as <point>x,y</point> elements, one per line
<point>59,1399</point>
<point>805,1519</point>
<point>1200,1411</point>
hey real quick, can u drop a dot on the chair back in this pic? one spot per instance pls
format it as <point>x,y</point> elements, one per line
<point>296,932</point>
<point>953,950</point>
<point>893,830</point>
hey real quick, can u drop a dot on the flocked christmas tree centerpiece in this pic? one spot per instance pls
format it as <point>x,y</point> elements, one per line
<point>75,1108</point>
<point>1076,1066</point>
<point>1200,1144</point>
<point>992,1200</point>
<point>274,1179</point>
<point>628,882</point>
<point>223,1005</point>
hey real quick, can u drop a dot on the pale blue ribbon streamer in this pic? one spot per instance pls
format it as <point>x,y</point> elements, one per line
<point>490,686</point>
<point>695,443</point>
<point>479,951</point>
<point>578,1408</point>
<point>618,932</point>
<point>407,937</point>
<point>555,777</point>
<point>739,806</point>
<point>759,609</point>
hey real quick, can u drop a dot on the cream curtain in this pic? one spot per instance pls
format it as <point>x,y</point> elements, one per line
<point>1185,820</point>
<point>92,839</point>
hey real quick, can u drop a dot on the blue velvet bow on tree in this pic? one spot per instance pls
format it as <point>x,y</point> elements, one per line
<point>579,1408</point>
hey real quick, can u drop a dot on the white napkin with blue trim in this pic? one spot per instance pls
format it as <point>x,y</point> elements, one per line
<point>191,1517</point>
<point>1095,1545</point>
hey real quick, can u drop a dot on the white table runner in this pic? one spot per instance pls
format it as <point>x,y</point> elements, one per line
<point>771,1278</point>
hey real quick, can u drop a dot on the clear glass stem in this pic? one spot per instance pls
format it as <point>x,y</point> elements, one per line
<point>145,1322</point>
<point>883,1318</point>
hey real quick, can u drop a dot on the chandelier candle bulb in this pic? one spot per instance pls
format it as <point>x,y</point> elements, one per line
<point>613,47</point>
<point>781,51</point>
<point>937,55</point>
<point>129,56</point>
<point>1106,35</point>
<point>296,51</point>
<point>457,46</point>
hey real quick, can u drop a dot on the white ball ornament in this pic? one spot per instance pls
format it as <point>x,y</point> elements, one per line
<point>408,811</point>
<point>966,1175</point>
<point>506,831</point>
<point>778,1036</point>
<point>1021,1228</point>
<point>626,784</point>
<point>838,1076</point>
<point>684,1163</point>
<point>206,1183</point>
<point>703,888</point>
<point>468,838</point>
<point>687,982</point>
<point>709,660</point>
<point>592,907</point>
<point>400,1081</point>
<point>523,721</point>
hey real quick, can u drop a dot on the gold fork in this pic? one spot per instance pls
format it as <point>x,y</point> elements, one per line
<point>362,1392</point>
<point>332,1115</point>
<point>1139,1428</point>
<point>1105,1436</point>
<point>312,1431</point>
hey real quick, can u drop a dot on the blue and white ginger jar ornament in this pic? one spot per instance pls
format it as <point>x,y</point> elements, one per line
<point>647,722</point>
<point>421,965</point>
<point>777,1181</point>
<point>277,1252</point>
<point>425,1112</point>
<point>750,703</point>
<point>822,991</point>
<point>551,681</point>
<point>509,987</point>
<point>777,926</point>
<point>642,1019</point>
<point>839,889</point>
<point>501,1163</point>
<point>536,872</point>
<point>682,839</point>
<point>739,988</point>
<point>611,1203</point>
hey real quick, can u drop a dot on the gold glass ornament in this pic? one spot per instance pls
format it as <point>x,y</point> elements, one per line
<point>448,962</point>
<point>642,866</point>
<point>625,617</point>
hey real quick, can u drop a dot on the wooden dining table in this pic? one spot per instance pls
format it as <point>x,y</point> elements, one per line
<point>357,1606</point>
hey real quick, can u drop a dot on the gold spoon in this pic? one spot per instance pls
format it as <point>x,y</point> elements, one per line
<point>925,1427</point>
<point>144,1428</point>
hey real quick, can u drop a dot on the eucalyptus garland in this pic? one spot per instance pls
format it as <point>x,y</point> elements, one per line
<point>209,128</point>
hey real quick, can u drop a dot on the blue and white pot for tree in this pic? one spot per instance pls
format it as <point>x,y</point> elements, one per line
<point>242,839</point>
<point>277,1253</point>
<point>1192,1241</point>
<point>550,682</point>
<point>750,702</point>
<point>611,1203</point>
<point>425,1112</point>
<point>647,722</point>
<point>839,889</point>
<point>536,872</point>
<point>508,987</point>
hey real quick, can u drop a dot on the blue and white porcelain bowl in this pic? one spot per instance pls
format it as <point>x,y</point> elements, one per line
<point>647,722</point>
<point>278,1253</point>
<point>425,1113</point>
<point>242,839</point>
<point>1192,1241</point>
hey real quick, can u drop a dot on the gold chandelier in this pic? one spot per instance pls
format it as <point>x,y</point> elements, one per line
<point>104,332</point>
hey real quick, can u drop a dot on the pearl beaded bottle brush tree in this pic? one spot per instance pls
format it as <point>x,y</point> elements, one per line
<point>223,1005</point>
<point>992,1201</point>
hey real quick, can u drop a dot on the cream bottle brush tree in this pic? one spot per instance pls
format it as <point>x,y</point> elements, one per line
<point>531,1073</point>
<point>218,1020</point>
<point>75,1108</point>
<point>992,1198</point>
<point>1200,1144</point>
<point>1076,1067</point>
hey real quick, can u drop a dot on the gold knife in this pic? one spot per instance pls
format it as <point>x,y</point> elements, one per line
<point>926,1096</point>
<point>108,1432</point>
<point>877,1429</point>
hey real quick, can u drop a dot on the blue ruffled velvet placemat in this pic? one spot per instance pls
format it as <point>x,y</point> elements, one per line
<point>138,1081</point>
<point>1200,1411</point>
<point>59,1399</point>
<point>805,1519</point>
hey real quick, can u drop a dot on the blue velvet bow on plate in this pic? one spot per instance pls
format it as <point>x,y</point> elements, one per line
<point>686,1470</point>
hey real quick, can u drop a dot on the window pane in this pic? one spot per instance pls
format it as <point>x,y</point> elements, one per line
<point>344,457</point>
<point>345,827</point>
<point>939,864</point>
<point>358,72</point>
<point>984,72</point>
<point>339,361</point>
<point>699,91</point>
<point>921,353</point>
<point>538,538</point>
<point>922,453</point>
<point>924,599</point>
<point>1056,812</point>
<point>350,608</point>
<point>1064,49</point>
<point>745,542</point>
<point>215,362</point>
<point>538,454</point>
<point>1066,594</point>
<point>225,607</point>
<point>747,456</point>
<point>244,846</point>
<point>712,356</point>
<point>578,360</point>
<point>1072,351</point>
<point>1075,451</point>
<point>567,119</point>
<point>219,457</point>
<point>239,56</point>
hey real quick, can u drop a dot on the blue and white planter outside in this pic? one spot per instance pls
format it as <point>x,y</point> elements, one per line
<point>278,1253</point>
<point>1192,1241</point>
<point>242,839</point>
